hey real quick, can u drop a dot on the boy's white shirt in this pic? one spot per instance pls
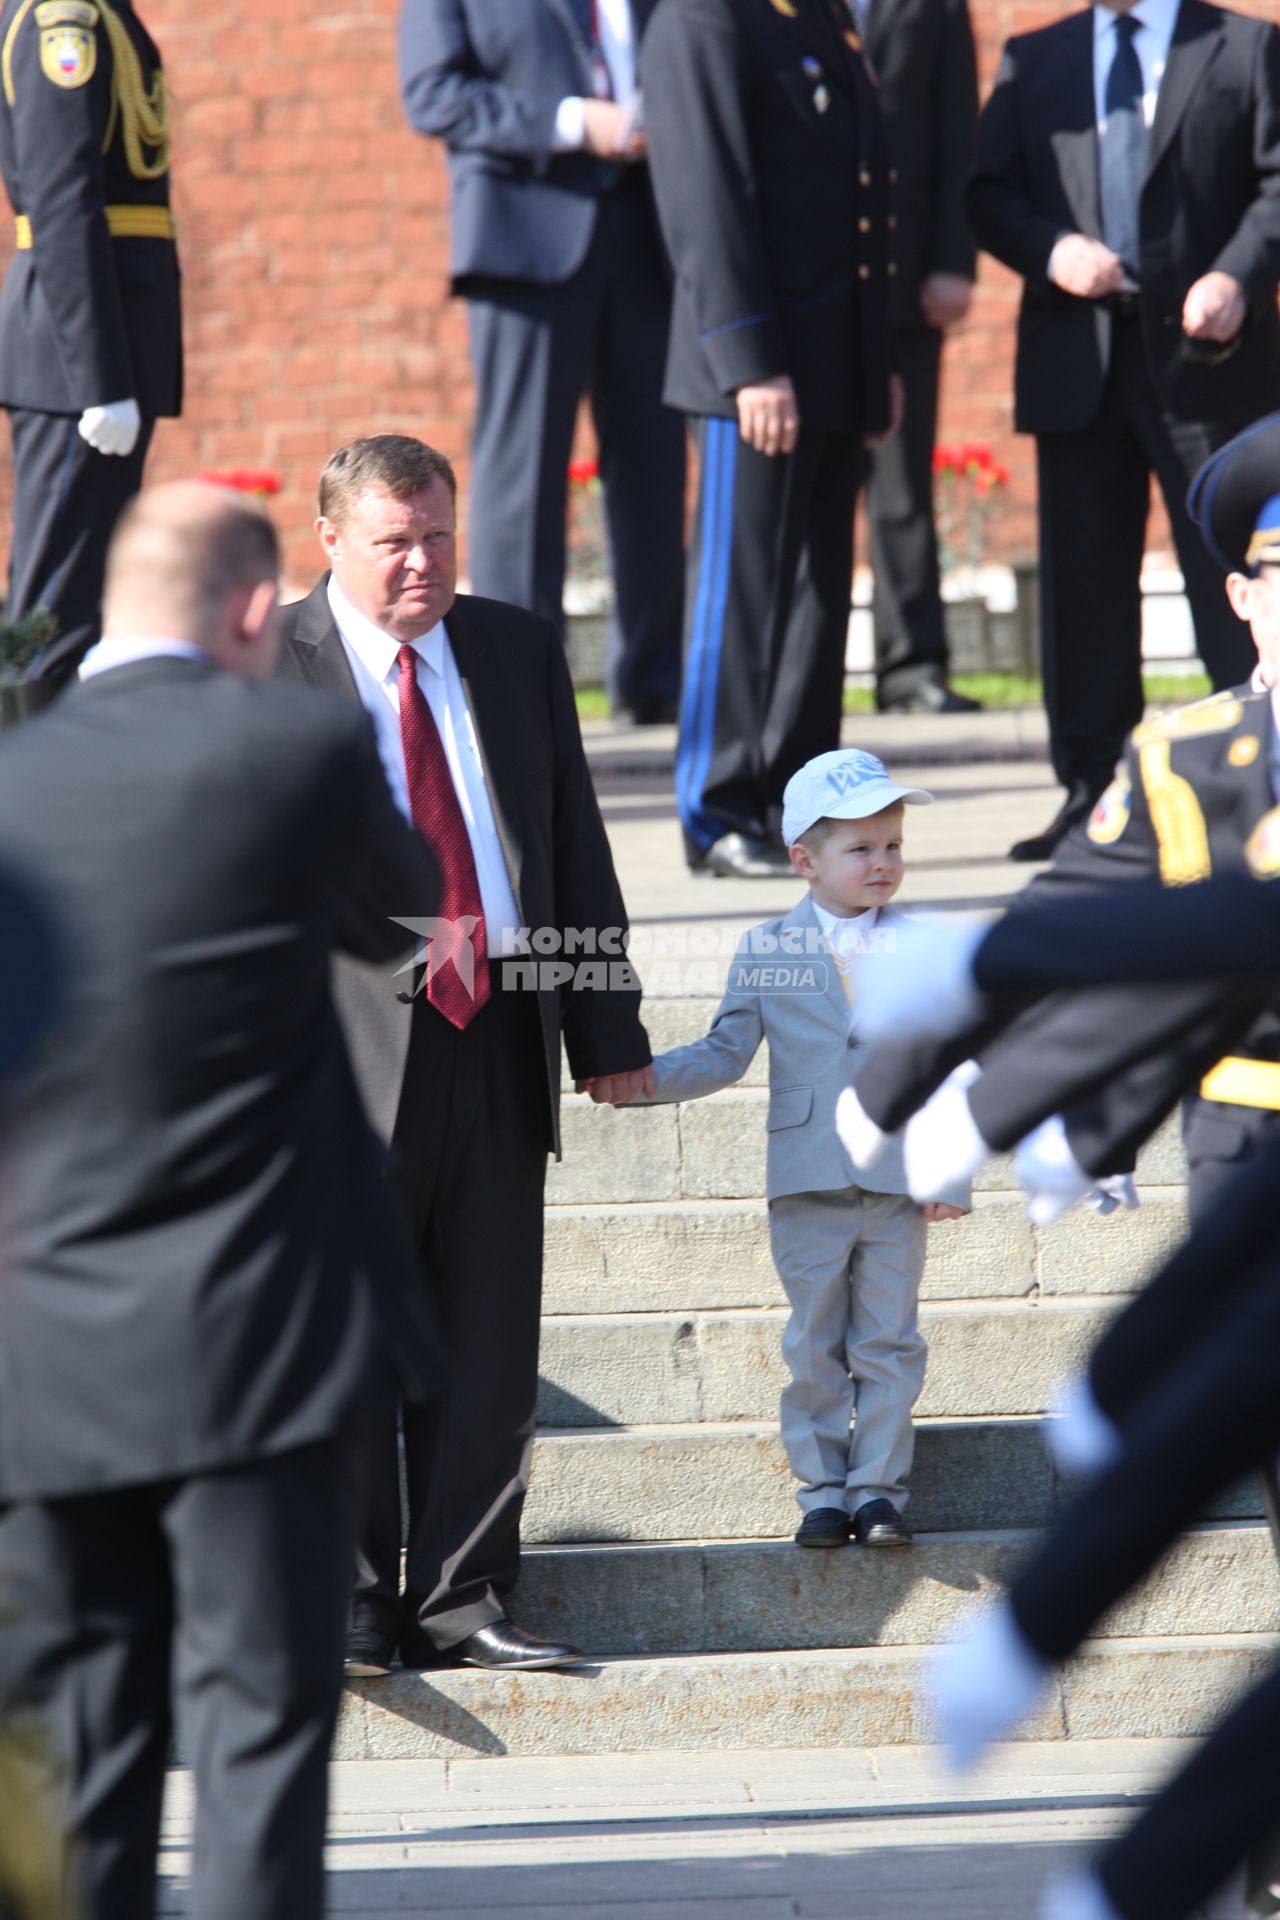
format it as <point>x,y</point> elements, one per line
<point>811,1048</point>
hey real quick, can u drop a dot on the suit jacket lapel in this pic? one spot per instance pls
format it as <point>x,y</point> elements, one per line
<point>1197,35</point>
<point>1076,145</point>
<point>318,648</point>
<point>494,731</point>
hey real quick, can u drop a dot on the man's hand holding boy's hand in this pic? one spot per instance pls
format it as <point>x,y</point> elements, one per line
<point>942,1210</point>
<point>619,1089</point>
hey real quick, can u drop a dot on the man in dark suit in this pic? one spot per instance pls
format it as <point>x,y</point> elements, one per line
<point>922,54</point>
<point>556,250</point>
<point>1129,170</point>
<point>206,1291</point>
<point>461,1069</point>
<point>773,189</point>
<point>90,319</point>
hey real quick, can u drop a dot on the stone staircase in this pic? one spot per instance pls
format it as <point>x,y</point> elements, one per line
<point>659,1521</point>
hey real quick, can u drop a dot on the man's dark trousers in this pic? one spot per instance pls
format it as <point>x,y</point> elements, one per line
<point>766,621</point>
<point>94,1586</point>
<point>1094,496</point>
<point>473,1114</point>
<point>531,346</point>
<point>910,636</point>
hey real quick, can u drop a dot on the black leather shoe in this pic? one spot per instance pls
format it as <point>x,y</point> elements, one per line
<point>877,1523</point>
<point>506,1648</point>
<point>824,1527</point>
<point>1043,846</point>
<point>648,710</point>
<point>367,1656</point>
<point>932,697</point>
<point>740,856</point>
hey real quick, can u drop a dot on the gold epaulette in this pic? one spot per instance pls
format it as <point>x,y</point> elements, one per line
<point>1177,819</point>
<point>1214,715</point>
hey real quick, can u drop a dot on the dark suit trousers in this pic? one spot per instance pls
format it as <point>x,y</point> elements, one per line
<point>471,1141</point>
<point>66,501</point>
<point>536,350</point>
<point>241,1578</point>
<point>1094,495</point>
<point>766,624</point>
<point>910,637</point>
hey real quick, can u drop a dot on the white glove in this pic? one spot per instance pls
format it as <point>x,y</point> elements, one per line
<point>982,1686</point>
<point>113,428</point>
<point>941,1145</point>
<point>1075,1896</point>
<point>1111,1193</point>
<point>923,983</point>
<point>1049,1173</point>
<point>858,1133</point>
<point>1081,1438</point>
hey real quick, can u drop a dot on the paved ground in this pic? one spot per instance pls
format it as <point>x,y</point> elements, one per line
<point>854,1835</point>
<point>989,772</point>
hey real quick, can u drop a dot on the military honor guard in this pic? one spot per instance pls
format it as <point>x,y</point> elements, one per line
<point>90,314</point>
<point>774,189</point>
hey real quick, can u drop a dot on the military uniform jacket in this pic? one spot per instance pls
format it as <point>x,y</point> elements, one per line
<point>90,310</point>
<point>1192,797</point>
<point>768,161</point>
<point>784,987</point>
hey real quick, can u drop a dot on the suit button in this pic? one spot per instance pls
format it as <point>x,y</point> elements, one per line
<point>893,223</point>
<point>1168,320</point>
<point>864,225</point>
<point>864,178</point>
<point>893,176</point>
<point>864,272</point>
<point>892,268</point>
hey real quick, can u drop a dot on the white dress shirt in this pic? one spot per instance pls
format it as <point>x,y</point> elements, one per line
<point>618,45</point>
<point>109,653</point>
<point>1156,20</point>
<point>372,657</point>
<point>846,933</point>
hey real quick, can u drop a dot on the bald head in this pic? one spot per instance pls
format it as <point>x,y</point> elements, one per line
<point>193,561</point>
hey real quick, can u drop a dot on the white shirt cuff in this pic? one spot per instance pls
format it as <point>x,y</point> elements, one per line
<point>570,125</point>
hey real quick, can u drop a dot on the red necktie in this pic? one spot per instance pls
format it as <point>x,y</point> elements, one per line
<point>457,957</point>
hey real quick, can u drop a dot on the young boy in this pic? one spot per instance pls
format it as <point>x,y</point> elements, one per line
<point>849,1247</point>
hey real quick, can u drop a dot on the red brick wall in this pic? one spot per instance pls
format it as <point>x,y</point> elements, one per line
<point>314,234</point>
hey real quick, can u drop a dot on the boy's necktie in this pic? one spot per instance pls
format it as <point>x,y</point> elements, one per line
<point>458,957</point>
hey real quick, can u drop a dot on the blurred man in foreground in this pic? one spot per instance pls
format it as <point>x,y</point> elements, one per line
<point>204,1276</point>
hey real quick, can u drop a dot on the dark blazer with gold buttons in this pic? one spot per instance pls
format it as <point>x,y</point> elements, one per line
<point>1210,200</point>
<point>767,155</point>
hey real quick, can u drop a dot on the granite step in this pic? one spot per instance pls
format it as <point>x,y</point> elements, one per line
<point>1121,1688</point>
<point>757,1596</point>
<point>730,1481</point>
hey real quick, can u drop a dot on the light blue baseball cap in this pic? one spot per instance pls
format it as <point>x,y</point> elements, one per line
<point>846,784</point>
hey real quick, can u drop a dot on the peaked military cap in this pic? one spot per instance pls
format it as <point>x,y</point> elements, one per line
<point>1235,499</point>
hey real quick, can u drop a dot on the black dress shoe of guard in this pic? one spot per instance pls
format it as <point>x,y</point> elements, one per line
<point>504,1647</point>
<point>1043,846</point>
<point>824,1527</point>
<point>877,1523</point>
<point>932,697</point>
<point>647,710</point>
<point>740,856</point>
<point>367,1655</point>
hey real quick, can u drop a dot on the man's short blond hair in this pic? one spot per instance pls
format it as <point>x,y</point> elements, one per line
<point>391,463</point>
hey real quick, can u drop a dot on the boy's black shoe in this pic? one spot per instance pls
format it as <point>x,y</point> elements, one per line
<point>824,1527</point>
<point>879,1524</point>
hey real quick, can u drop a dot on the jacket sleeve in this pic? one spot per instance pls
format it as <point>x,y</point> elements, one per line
<point>1226,927</point>
<point>696,93</point>
<point>388,863</point>
<point>58,133</point>
<point>1252,255</point>
<point>445,92</point>
<point>725,1051</point>
<point>1005,218</point>
<point>952,249</point>
<point>603,1032</point>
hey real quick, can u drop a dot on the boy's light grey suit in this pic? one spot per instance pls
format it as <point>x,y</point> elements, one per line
<point>849,1247</point>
